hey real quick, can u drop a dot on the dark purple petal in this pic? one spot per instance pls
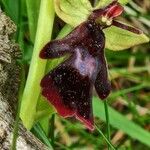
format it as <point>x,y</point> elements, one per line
<point>58,48</point>
<point>54,49</point>
<point>126,27</point>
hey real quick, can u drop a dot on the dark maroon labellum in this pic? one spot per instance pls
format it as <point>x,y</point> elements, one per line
<point>69,86</point>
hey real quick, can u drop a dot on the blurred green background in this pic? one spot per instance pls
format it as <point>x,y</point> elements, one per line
<point>129,101</point>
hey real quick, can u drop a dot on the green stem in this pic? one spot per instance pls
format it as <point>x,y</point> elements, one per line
<point>108,142</point>
<point>37,66</point>
<point>16,124</point>
<point>52,130</point>
<point>37,129</point>
<point>107,121</point>
<point>19,20</point>
<point>22,82</point>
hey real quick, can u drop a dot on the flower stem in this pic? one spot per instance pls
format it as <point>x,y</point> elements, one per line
<point>38,130</point>
<point>37,66</point>
<point>52,130</point>
<point>107,121</point>
<point>16,124</point>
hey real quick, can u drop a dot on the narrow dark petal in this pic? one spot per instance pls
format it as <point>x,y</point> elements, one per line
<point>102,84</point>
<point>70,93</point>
<point>58,48</point>
<point>126,27</point>
<point>55,49</point>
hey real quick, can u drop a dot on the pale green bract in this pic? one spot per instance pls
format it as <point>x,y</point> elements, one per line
<point>74,12</point>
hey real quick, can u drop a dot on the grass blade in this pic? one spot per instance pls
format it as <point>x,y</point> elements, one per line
<point>107,121</point>
<point>120,122</point>
<point>37,129</point>
<point>32,10</point>
<point>108,142</point>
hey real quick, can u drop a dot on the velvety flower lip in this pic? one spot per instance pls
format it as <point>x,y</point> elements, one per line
<point>69,86</point>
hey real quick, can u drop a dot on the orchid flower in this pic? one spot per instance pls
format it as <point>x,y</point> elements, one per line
<point>69,86</point>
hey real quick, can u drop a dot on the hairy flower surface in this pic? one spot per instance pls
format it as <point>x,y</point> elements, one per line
<point>69,86</point>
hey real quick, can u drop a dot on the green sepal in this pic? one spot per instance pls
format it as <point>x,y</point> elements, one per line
<point>120,39</point>
<point>73,12</point>
<point>103,3</point>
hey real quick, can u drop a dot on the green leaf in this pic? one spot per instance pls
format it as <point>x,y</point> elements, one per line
<point>33,11</point>
<point>103,3</point>
<point>121,122</point>
<point>37,67</point>
<point>73,12</point>
<point>43,109</point>
<point>45,124</point>
<point>39,132</point>
<point>120,39</point>
<point>11,8</point>
<point>124,2</point>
